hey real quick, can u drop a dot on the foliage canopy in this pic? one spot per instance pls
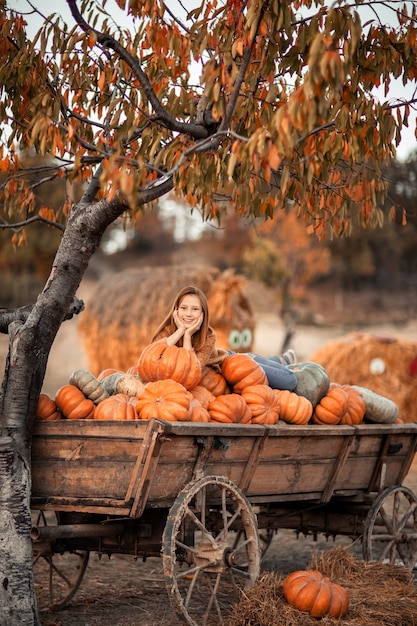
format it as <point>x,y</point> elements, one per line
<point>258,105</point>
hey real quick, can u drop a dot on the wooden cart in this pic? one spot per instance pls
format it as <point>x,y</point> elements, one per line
<point>207,498</point>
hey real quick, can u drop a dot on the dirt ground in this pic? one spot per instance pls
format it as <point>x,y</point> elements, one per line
<point>124,592</point>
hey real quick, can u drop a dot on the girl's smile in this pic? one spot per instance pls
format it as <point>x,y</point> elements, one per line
<point>189,309</point>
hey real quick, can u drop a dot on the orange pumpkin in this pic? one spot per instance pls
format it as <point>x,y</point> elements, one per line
<point>73,404</point>
<point>241,371</point>
<point>47,409</point>
<point>164,399</point>
<point>331,407</point>
<point>198,413</point>
<point>107,372</point>
<point>355,409</point>
<point>213,381</point>
<point>313,593</point>
<point>263,404</point>
<point>294,409</point>
<point>119,407</point>
<point>159,361</point>
<point>229,408</point>
<point>203,395</point>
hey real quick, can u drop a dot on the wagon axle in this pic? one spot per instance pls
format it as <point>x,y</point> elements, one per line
<point>73,531</point>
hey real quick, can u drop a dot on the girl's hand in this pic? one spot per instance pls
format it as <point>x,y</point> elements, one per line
<point>179,324</point>
<point>194,328</point>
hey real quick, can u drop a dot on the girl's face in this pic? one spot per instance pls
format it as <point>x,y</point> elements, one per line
<point>189,309</point>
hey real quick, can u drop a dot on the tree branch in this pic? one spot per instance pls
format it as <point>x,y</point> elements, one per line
<point>239,80</point>
<point>30,220</point>
<point>194,130</point>
<point>7,316</point>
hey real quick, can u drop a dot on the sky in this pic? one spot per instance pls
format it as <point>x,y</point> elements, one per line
<point>408,142</point>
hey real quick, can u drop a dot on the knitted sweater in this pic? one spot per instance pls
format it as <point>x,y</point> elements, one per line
<point>208,355</point>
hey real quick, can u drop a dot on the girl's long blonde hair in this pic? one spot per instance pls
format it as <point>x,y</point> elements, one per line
<point>199,338</point>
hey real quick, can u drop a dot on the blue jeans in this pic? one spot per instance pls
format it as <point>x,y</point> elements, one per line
<point>278,375</point>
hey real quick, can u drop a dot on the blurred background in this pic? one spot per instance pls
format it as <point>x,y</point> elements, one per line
<point>303,293</point>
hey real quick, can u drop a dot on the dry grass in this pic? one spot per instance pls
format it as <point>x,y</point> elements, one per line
<point>380,595</point>
<point>347,361</point>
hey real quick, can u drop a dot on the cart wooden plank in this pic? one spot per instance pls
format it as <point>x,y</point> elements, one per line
<point>124,467</point>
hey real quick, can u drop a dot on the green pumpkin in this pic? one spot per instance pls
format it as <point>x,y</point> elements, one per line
<point>313,382</point>
<point>378,409</point>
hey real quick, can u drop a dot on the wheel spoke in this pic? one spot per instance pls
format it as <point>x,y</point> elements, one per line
<point>405,518</point>
<point>387,521</point>
<point>243,573</point>
<point>228,523</point>
<point>194,570</point>
<point>199,525</point>
<point>200,502</point>
<point>388,549</point>
<point>60,573</point>
<point>191,588</point>
<point>186,547</point>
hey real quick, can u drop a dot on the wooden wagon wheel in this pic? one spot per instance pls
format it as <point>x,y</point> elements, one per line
<point>266,536</point>
<point>57,576</point>
<point>390,533</point>
<point>205,569</point>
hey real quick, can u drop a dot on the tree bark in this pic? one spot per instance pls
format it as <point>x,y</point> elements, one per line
<point>30,342</point>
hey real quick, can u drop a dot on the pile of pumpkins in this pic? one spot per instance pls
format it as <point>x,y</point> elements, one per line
<point>169,383</point>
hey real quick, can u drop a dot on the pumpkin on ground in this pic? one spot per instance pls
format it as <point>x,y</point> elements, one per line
<point>313,593</point>
<point>331,407</point>
<point>47,409</point>
<point>118,407</point>
<point>241,371</point>
<point>294,409</point>
<point>213,381</point>
<point>89,385</point>
<point>313,381</point>
<point>73,404</point>
<point>159,361</point>
<point>166,400</point>
<point>229,409</point>
<point>263,404</point>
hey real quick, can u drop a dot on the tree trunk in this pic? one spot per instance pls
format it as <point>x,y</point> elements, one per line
<point>29,347</point>
<point>31,340</point>
<point>17,596</point>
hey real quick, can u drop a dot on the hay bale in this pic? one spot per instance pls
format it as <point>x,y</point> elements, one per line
<point>376,362</point>
<point>126,308</point>
<point>380,595</point>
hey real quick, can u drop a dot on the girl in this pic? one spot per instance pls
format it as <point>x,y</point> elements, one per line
<point>187,325</point>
